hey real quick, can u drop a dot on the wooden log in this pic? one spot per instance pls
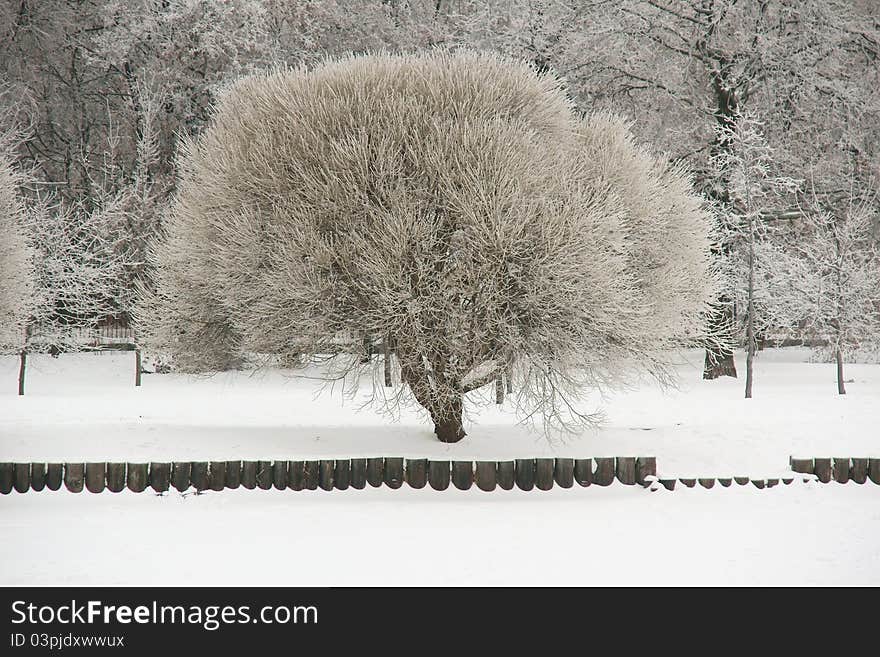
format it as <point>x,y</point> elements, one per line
<point>787,480</point>
<point>264,475</point>
<point>160,476</point>
<point>115,477</point>
<point>181,471</point>
<point>707,483</point>
<point>506,474</point>
<point>668,484</point>
<point>646,466</point>
<point>417,473</point>
<point>583,471</point>
<point>375,471</point>
<point>249,474</point>
<point>279,474</point>
<point>858,471</point>
<point>604,474</point>
<point>296,475</point>
<point>525,474</point>
<point>486,475</point>
<point>199,475</point>
<point>688,481</point>
<point>626,470</point>
<point>804,466</point>
<point>233,474</point>
<point>217,475</point>
<point>138,476</point>
<point>463,474</point>
<point>544,473</point>
<point>7,477</point>
<point>74,474</point>
<point>38,476</point>
<point>438,474</point>
<point>393,475</point>
<point>840,469</point>
<point>96,477</point>
<point>22,477</point>
<point>759,483</point>
<point>772,482</point>
<point>741,481</point>
<point>725,481</point>
<point>342,476</point>
<point>327,474</point>
<point>359,473</point>
<point>874,470</point>
<point>54,475</point>
<point>311,475</point>
<point>822,469</point>
<point>563,472</point>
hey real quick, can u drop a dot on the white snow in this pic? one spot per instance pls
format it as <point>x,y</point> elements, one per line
<point>85,407</point>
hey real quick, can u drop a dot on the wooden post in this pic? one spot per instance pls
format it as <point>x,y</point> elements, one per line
<point>279,474</point>
<point>22,366</point>
<point>7,478</point>
<point>116,477</point>
<point>544,473</point>
<point>438,474</point>
<point>38,476</point>
<point>822,469</point>
<point>668,484</point>
<point>138,475</point>
<point>759,483</point>
<point>393,472</point>
<point>375,471</point>
<point>741,481</point>
<point>525,474</point>
<point>725,481</point>
<point>217,475</point>
<point>772,482</point>
<point>296,475</point>
<point>486,475</point>
<point>327,473</point>
<point>249,474</point>
<point>417,473</point>
<point>54,475</point>
<point>233,474</point>
<point>874,470</point>
<point>858,471</point>
<point>804,466</point>
<point>563,473</point>
<point>342,476</point>
<point>198,475</point>
<point>264,475</point>
<point>646,466</point>
<point>506,474</point>
<point>22,477</point>
<point>688,481</point>
<point>840,469</point>
<point>137,368</point>
<point>96,477</point>
<point>359,473</point>
<point>311,475</point>
<point>463,474</point>
<point>707,483</point>
<point>73,477</point>
<point>160,477</point>
<point>626,470</point>
<point>604,474</point>
<point>583,471</point>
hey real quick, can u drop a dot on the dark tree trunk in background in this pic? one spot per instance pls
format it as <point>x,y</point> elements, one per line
<point>719,361</point>
<point>838,355</point>
<point>448,423</point>
<point>21,370</point>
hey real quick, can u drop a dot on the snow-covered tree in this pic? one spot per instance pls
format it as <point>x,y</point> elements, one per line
<point>843,285</point>
<point>452,202</point>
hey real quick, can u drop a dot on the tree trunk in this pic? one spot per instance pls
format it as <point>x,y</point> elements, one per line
<point>21,371</point>
<point>841,390</point>
<point>447,422</point>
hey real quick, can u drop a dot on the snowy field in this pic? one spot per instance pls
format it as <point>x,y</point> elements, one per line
<point>85,407</point>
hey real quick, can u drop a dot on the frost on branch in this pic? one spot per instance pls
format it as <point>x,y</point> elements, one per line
<point>452,203</point>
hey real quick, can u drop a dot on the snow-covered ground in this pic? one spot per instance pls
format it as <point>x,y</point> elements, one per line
<point>85,407</point>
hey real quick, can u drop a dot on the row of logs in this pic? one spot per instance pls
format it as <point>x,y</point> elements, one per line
<point>839,469</point>
<point>328,474</point>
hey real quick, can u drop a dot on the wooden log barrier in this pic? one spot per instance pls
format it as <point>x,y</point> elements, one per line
<point>96,477</point>
<point>668,484</point>
<point>525,474</point>
<point>706,482</point>
<point>199,475</point>
<point>74,474</point>
<point>38,476</point>
<point>463,474</point>
<point>217,475</point>
<point>874,470</point>
<point>417,473</point>
<point>279,474</point>
<point>604,474</point>
<point>160,477</point>
<point>741,481</point>
<point>544,473</point>
<point>486,475</point>
<point>181,472</point>
<point>264,475</point>
<point>583,471</point>
<point>375,471</point>
<point>393,475</point>
<point>563,472</point>
<point>822,469</point>
<point>439,474</point>
<point>840,469</point>
<point>54,475</point>
<point>233,474</point>
<point>359,474</point>
<point>249,474</point>
<point>22,477</point>
<point>342,474</point>
<point>138,476</point>
<point>725,481</point>
<point>626,470</point>
<point>687,481</point>
<point>296,475</point>
<point>804,466</point>
<point>506,475</point>
<point>858,471</point>
<point>327,474</point>
<point>116,477</point>
<point>311,475</point>
<point>646,466</point>
<point>7,477</point>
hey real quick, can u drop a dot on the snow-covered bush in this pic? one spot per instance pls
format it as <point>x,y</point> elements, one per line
<point>451,203</point>
<point>16,262</point>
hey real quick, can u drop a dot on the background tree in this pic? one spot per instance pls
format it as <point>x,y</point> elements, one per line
<point>453,201</point>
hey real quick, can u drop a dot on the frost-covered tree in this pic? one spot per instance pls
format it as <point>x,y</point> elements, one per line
<point>17,288</point>
<point>843,283</point>
<point>452,202</point>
